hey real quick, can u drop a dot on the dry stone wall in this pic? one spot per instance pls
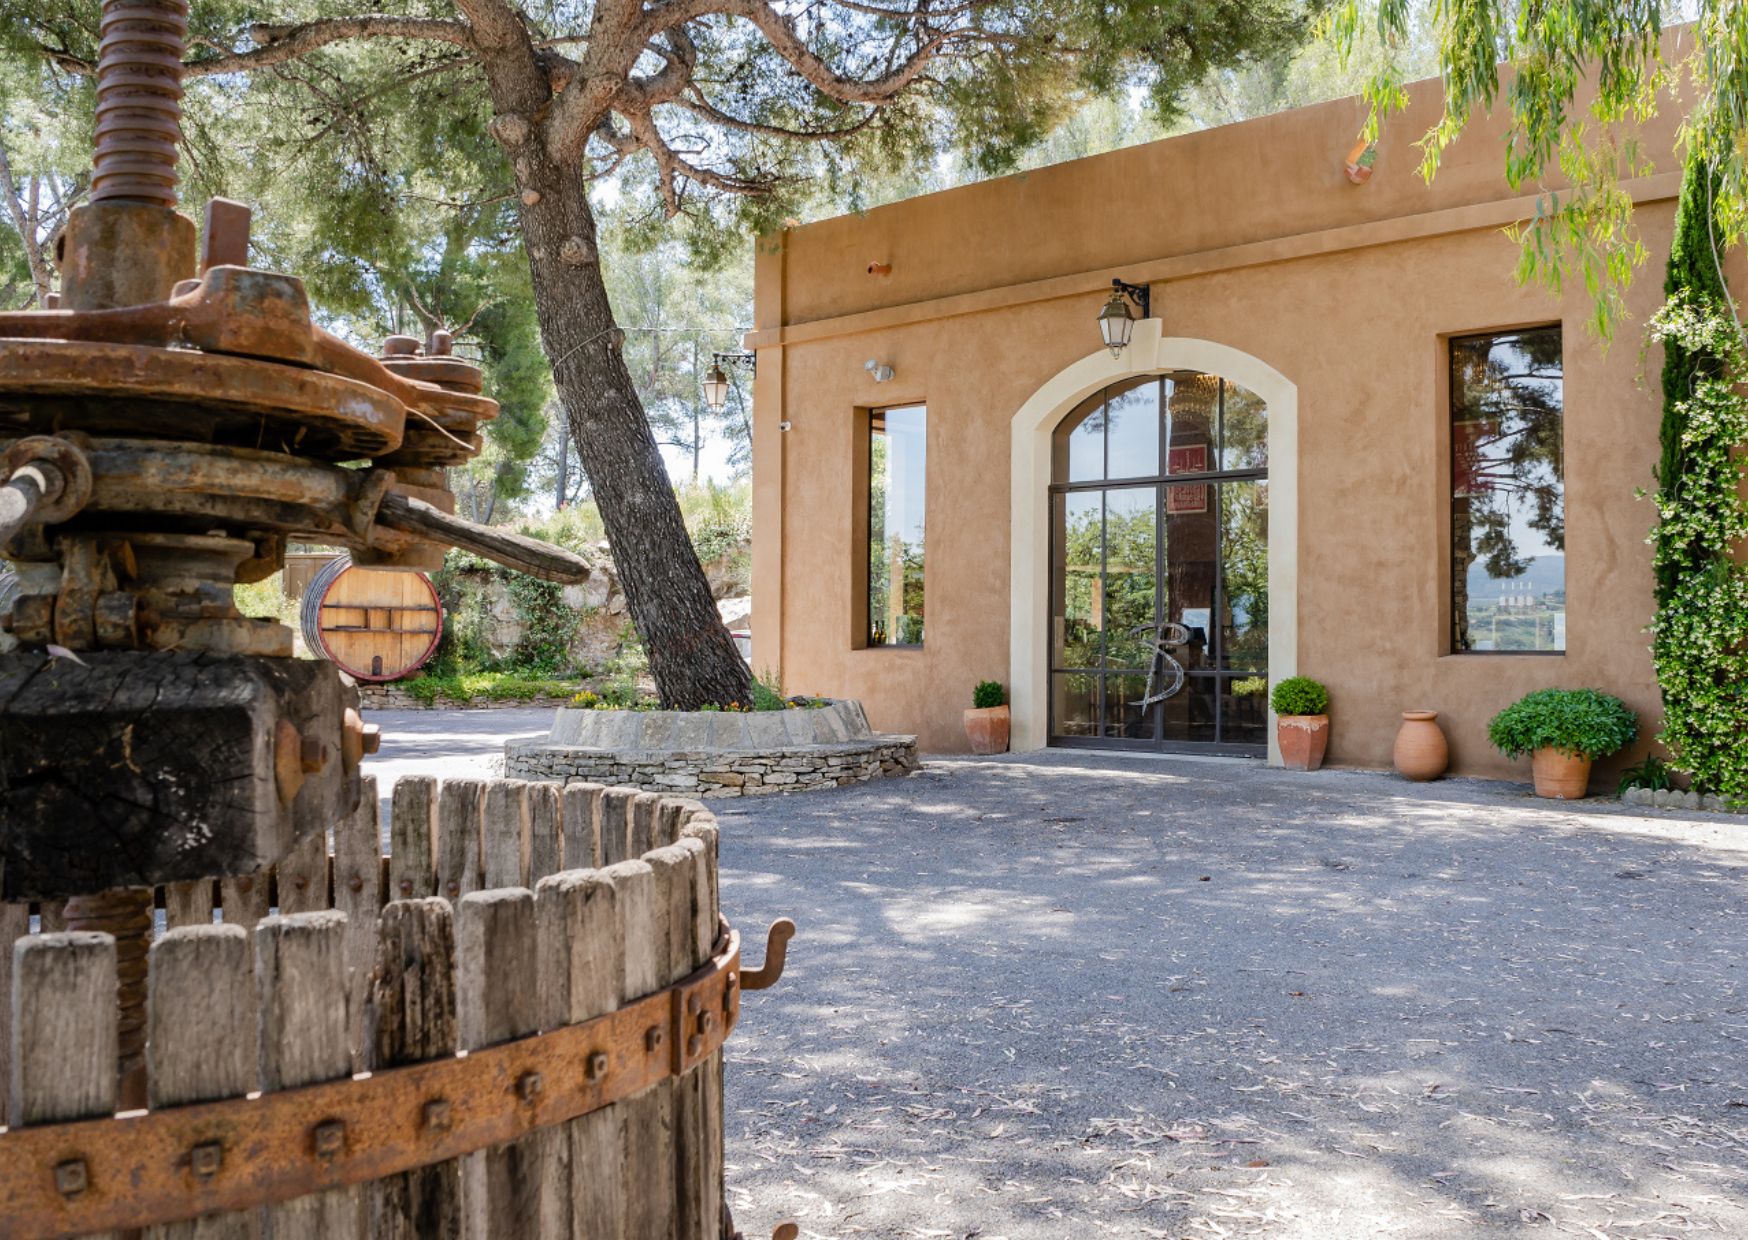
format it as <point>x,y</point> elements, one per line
<point>714,753</point>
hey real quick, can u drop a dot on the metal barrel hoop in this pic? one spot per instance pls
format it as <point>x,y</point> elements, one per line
<point>136,1165</point>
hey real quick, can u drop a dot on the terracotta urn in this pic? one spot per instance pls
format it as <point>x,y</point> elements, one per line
<point>1421,750</point>
<point>1560,776</point>
<point>1303,738</point>
<point>987,729</point>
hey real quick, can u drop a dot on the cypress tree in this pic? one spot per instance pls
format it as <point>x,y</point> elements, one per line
<point>1693,269</point>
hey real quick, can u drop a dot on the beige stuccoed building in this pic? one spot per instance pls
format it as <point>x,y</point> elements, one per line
<point>1343,442</point>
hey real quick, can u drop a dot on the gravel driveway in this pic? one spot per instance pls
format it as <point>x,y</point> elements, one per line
<point>1080,995</point>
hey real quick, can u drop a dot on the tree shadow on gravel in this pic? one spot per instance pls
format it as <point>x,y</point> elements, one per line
<point>1067,997</point>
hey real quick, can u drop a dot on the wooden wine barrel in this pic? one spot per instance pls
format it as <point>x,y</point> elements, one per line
<point>376,624</point>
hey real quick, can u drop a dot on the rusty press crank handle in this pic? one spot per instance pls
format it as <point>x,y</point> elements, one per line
<point>776,954</point>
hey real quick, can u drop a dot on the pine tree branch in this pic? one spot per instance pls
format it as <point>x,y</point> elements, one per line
<point>672,166</point>
<point>276,44</point>
<point>698,105</point>
<point>788,43</point>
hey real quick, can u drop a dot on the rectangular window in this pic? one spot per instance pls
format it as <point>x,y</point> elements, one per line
<point>1508,493</point>
<point>896,499</point>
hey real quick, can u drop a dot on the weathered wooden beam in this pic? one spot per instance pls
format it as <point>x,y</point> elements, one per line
<point>125,769</point>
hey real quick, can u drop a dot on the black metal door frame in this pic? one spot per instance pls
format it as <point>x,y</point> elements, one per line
<point>1216,628</point>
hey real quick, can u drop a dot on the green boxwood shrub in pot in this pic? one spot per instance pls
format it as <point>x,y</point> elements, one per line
<point>1563,731</point>
<point>987,722</point>
<point>1301,707</point>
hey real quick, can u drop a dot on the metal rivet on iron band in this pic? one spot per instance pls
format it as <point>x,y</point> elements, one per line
<point>693,1004</point>
<point>694,1044</point>
<point>528,1086</point>
<point>205,1159</point>
<point>71,1178</point>
<point>329,1138</point>
<point>596,1067</point>
<point>437,1115</point>
<point>355,883</point>
<point>653,1037</point>
<point>706,1023</point>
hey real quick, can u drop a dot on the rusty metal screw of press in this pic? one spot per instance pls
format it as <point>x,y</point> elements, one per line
<point>139,100</point>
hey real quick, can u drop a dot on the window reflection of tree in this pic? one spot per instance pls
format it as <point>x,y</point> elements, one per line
<point>891,558</point>
<point>1244,547</point>
<point>1130,534</point>
<point>1082,556</point>
<point>1506,446</point>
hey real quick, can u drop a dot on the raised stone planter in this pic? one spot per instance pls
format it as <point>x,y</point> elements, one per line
<point>714,753</point>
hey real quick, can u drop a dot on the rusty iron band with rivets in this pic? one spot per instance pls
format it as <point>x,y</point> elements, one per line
<point>142,1168</point>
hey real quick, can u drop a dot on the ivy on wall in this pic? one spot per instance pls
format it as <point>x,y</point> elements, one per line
<point>1699,638</point>
<point>548,625</point>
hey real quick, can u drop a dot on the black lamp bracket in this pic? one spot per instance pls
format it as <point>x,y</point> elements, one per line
<point>749,360</point>
<point>1140,294</point>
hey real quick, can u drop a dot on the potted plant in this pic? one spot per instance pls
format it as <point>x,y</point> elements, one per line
<point>1301,707</point>
<point>986,723</point>
<point>1563,731</point>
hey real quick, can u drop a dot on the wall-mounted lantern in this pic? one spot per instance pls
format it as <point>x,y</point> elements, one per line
<point>878,369</point>
<point>1116,322</point>
<point>716,381</point>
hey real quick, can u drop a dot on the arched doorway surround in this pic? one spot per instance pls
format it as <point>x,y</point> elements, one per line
<point>1149,352</point>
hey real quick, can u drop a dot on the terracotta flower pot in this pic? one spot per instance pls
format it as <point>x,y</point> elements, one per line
<point>1560,776</point>
<point>987,729</point>
<point>1303,739</point>
<point>1421,749</point>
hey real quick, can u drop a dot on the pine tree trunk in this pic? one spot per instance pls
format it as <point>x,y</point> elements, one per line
<point>563,489</point>
<point>691,656</point>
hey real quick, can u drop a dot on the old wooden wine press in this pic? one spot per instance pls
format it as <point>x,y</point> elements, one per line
<point>165,430</point>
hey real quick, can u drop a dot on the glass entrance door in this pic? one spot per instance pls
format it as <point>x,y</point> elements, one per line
<point>1159,567</point>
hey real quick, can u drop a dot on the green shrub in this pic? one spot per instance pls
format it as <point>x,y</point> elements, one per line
<point>1299,695</point>
<point>989,693</point>
<point>266,600</point>
<point>1581,722</point>
<point>1652,773</point>
<point>617,695</point>
<point>492,686</point>
<point>766,694</point>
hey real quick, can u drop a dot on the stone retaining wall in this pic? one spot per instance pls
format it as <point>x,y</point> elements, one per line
<point>714,753</point>
<point>719,773</point>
